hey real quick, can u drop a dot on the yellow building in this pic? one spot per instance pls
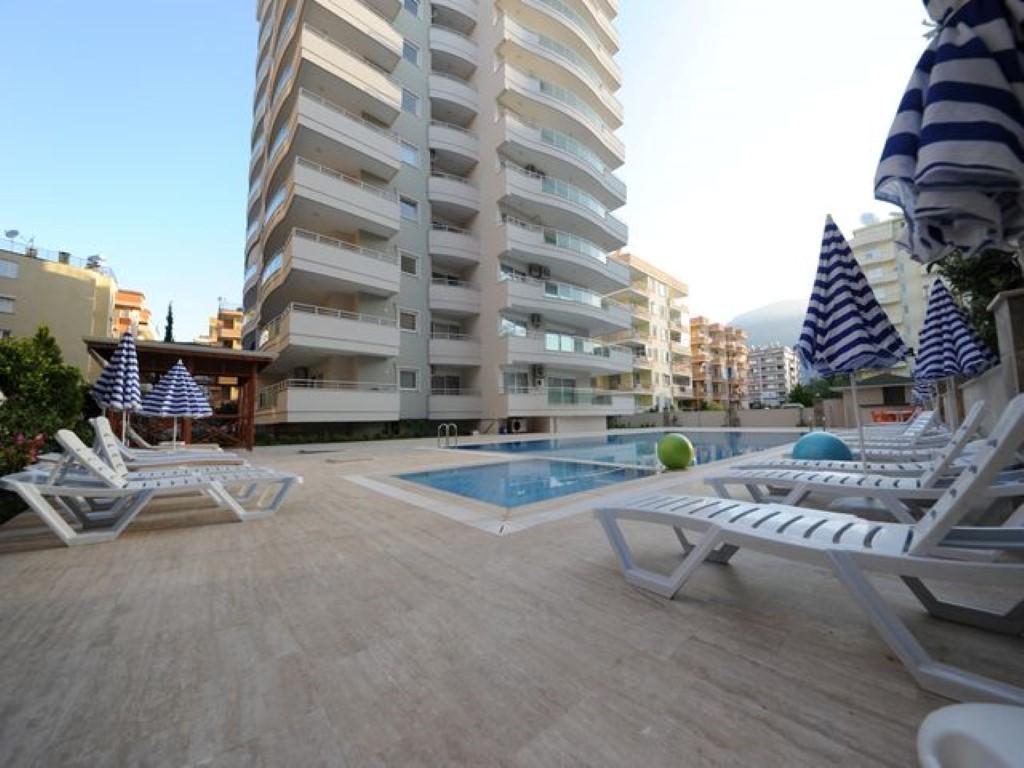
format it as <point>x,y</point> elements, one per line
<point>225,328</point>
<point>72,297</point>
<point>659,336</point>
<point>132,314</point>
<point>720,361</point>
<point>900,284</point>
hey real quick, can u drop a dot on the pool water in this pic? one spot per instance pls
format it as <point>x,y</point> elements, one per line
<point>639,449</point>
<point>515,483</point>
<point>566,465</point>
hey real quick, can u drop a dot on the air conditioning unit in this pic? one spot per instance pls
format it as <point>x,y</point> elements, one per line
<point>516,426</point>
<point>537,375</point>
<point>535,270</point>
<point>545,273</point>
<point>536,320</point>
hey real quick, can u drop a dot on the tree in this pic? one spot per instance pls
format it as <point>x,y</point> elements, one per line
<point>169,325</point>
<point>806,394</point>
<point>976,281</point>
<point>801,395</point>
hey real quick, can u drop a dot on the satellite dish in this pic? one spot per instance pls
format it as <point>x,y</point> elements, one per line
<point>867,219</point>
<point>10,234</point>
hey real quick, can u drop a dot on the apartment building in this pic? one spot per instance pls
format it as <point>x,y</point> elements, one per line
<point>720,359</point>
<point>225,328</point>
<point>132,314</point>
<point>72,297</point>
<point>659,337</point>
<point>430,212</point>
<point>773,371</point>
<point>900,284</point>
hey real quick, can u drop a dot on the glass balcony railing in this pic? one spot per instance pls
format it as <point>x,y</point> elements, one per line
<point>559,239</point>
<point>272,267</point>
<point>276,201</point>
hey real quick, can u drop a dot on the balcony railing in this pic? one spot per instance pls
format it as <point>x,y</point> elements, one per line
<point>332,242</point>
<point>559,239</point>
<point>567,292</point>
<point>382,192</point>
<point>570,193</point>
<point>454,392</point>
<point>567,343</point>
<point>452,336</point>
<point>359,57</point>
<point>572,396</point>
<point>453,127</point>
<point>441,226</point>
<point>267,397</point>
<point>273,329</point>
<point>317,98</point>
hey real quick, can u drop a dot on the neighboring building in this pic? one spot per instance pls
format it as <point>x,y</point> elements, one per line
<point>431,187</point>
<point>659,337</point>
<point>900,284</point>
<point>773,371</point>
<point>132,314</point>
<point>73,297</point>
<point>225,328</point>
<point>719,354</point>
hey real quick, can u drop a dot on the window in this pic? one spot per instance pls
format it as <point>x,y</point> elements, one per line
<point>410,263</point>
<point>516,381</point>
<point>8,269</point>
<point>411,52</point>
<point>410,154</point>
<point>408,320</point>
<point>410,209</point>
<point>410,102</point>
<point>408,379</point>
<point>447,384</point>
<point>5,333</point>
<point>413,7</point>
<point>7,305</point>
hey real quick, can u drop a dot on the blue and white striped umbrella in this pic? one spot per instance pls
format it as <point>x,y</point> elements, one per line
<point>922,393</point>
<point>954,158</point>
<point>177,395</point>
<point>948,344</point>
<point>845,330</point>
<point>117,387</point>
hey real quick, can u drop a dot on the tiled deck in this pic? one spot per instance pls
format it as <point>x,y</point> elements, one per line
<point>355,629</point>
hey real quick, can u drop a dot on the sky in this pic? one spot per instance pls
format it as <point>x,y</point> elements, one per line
<point>126,125</point>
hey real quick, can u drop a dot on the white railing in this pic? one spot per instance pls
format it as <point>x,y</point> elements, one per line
<point>459,80</point>
<point>453,127</point>
<point>452,177</point>
<point>440,226</point>
<point>559,239</point>
<point>382,192</point>
<point>570,193</point>
<point>554,341</point>
<point>572,293</point>
<point>452,336</point>
<point>332,242</point>
<point>273,328</point>
<point>454,392</point>
<point>370,31</point>
<point>318,99</point>
<point>452,282</point>
<point>453,31</point>
<point>572,396</point>
<point>268,395</point>
<point>358,57</point>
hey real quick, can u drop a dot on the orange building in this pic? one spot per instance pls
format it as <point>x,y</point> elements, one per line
<point>132,314</point>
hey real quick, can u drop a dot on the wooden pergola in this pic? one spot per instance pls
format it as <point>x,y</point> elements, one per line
<point>202,361</point>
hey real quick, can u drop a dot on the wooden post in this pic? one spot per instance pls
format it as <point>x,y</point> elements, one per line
<point>248,426</point>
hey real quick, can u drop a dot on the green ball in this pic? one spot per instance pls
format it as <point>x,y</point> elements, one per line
<point>675,451</point>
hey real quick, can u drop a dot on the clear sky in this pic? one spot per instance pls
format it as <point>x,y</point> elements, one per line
<point>125,132</point>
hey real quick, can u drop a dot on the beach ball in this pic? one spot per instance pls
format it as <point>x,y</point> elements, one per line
<point>675,451</point>
<point>821,446</point>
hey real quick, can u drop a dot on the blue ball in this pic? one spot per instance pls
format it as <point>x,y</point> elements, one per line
<point>821,446</point>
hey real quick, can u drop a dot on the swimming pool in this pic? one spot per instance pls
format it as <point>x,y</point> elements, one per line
<point>566,465</point>
<point>639,449</point>
<point>515,483</point>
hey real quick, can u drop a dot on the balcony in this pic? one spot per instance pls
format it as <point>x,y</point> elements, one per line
<point>562,252</point>
<point>452,100</point>
<point>311,264</point>
<point>564,304</point>
<point>304,334</point>
<point>550,59</point>
<point>359,28</point>
<point>459,146</point>
<point>454,297</point>
<point>454,349</point>
<point>547,103</point>
<point>452,404</point>
<point>454,244</point>
<point>461,14</point>
<point>542,401</point>
<point>562,206</point>
<point>389,8</point>
<point>564,351</point>
<point>309,400</point>
<point>452,51</point>
<point>348,78</point>
<point>642,362</point>
<point>564,156</point>
<point>452,197</point>
<point>315,197</point>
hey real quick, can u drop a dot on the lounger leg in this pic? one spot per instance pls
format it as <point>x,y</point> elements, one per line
<point>721,555</point>
<point>897,508</point>
<point>954,683</point>
<point>1009,623</point>
<point>796,496</point>
<point>721,489</point>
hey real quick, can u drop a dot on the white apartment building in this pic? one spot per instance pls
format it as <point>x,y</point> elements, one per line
<point>771,373</point>
<point>430,212</point>
<point>900,284</point>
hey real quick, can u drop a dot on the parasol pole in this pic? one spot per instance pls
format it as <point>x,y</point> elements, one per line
<point>860,424</point>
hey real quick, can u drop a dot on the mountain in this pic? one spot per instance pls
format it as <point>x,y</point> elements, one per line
<point>778,322</point>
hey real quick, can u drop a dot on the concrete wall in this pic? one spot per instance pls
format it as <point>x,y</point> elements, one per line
<point>990,387</point>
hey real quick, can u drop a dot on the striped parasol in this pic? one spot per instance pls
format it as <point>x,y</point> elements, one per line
<point>922,393</point>
<point>845,329</point>
<point>948,344</point>
<point>954,160</point>
<point>176,395</point>
<point>117,388</point>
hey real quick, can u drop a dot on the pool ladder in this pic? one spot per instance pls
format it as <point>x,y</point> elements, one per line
<point>448,435</point>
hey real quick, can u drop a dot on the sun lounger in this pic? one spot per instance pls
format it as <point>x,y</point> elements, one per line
<point>117,455</point>
<point>91,502</point>
<point>852,548</point>
<point>142,443</point>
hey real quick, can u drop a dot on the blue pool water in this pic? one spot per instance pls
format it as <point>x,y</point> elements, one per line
<point>515,483</point>
<point>638,449</point>
<point>562,466</point>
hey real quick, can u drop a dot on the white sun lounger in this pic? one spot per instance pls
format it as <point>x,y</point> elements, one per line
<point>99,503</point>
<point>142,443</point>
<point>118,456</point>
<point>952,455</point>
<point>851,548</point>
